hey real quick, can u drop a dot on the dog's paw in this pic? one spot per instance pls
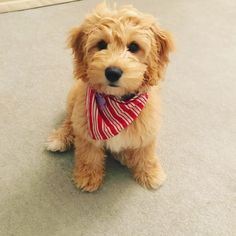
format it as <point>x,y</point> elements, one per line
<point>152,179</point>
<point>88,182</point>
<point>55,143</point>
<point>56,146</point>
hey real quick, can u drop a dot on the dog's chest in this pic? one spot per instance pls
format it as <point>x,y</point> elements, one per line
<point>139,133</point>
<point>136,135</point>
<point>122,141</point>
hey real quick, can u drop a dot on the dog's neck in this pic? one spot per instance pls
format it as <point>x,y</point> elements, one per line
<point>127,97</point>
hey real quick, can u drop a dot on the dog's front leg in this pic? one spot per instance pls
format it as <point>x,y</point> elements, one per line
<point>145,165</point>
<point>89,165</point>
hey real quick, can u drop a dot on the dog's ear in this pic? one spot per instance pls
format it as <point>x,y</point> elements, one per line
<point>77,41</point>
<point>162,45</point>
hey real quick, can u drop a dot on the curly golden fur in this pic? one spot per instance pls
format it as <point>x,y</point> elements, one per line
<point>134,146</point>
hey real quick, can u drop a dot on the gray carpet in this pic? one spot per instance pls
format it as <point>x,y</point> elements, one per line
<point>196,143</point>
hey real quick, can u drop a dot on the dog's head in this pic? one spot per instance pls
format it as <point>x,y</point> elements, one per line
<point>119,51</point>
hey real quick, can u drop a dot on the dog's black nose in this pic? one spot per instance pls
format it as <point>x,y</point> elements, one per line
<point>113,73</point>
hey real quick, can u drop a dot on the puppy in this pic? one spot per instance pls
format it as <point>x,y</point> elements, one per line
<point>119,58</point>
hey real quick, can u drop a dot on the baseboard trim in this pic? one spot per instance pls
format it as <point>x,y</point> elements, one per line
<point>19,5</point>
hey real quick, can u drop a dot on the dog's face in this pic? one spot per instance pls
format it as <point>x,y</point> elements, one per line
<point>120,51</point>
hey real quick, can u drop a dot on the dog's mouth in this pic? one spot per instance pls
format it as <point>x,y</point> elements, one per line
<point>113,85</point>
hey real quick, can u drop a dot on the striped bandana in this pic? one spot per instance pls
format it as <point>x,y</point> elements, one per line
<point>107,115</point>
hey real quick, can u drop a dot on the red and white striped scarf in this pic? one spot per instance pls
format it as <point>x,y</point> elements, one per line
<point>107,115</point>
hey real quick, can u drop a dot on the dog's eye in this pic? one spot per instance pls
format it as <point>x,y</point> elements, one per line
<point>133,47</point>
<point>101,45</point>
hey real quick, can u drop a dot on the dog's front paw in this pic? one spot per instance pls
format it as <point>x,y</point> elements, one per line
<point>152,179</point>
<point>88,181</point>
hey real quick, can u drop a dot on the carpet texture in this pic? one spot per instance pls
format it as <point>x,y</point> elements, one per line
<point>196,142</point>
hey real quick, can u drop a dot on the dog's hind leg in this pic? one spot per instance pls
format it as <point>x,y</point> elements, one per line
<point>62,138</point>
